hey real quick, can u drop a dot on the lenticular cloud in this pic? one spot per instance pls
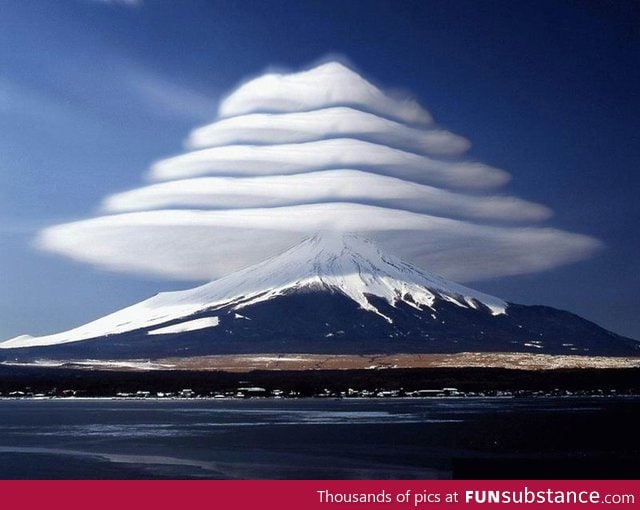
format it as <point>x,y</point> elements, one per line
<point>319,150</point>
<point>326,123</point>
<point>330,84</point>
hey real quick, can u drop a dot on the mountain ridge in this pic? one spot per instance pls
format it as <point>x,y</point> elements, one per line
<point>343,262</point>
<point>330,293</point>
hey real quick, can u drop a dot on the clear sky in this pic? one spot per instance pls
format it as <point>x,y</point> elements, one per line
<point>92,92</point>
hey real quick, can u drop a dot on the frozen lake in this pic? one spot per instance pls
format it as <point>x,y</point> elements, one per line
<point>307,438</point>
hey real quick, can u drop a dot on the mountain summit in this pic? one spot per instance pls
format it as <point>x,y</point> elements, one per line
<point>332,293</point>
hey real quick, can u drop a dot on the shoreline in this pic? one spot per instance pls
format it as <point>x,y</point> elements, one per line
<point>59,382</point>
<point>318,398</point>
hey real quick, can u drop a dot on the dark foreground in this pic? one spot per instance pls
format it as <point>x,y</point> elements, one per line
<point>487,381</point>
<point>320,438</point>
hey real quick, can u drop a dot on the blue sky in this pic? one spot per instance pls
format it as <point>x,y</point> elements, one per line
<point>93,92</point>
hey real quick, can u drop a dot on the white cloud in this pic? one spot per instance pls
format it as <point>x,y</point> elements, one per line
<point>190,244</point>
<point>267,180</point>
<point>325,186</point>
<point>330,84</point>
<point>283,159</point>
<point>41,108</point>
<point>343,122</point>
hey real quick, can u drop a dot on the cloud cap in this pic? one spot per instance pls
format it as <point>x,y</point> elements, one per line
<point>204,245</point>
<point>329,84</point>
<point>321,150</point>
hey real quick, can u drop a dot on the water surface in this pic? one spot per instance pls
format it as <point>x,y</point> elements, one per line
<point>306,438</point>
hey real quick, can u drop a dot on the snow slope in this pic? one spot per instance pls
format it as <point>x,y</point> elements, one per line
<point>341,263</point>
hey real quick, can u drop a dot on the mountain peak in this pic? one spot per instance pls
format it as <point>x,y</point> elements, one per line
<point>355,266</point>
<point>329,247</point>
<point>335,262</point>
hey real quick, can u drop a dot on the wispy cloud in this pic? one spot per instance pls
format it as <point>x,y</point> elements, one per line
<point>292,155</point>
<point>168,98</point>
<point>128,3</point>
<point>39,107</point>
<point>13,226</point>
<point>66,92</point>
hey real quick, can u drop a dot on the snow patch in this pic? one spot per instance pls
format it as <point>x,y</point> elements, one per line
<point>181,327</point>
<point>92,363</point>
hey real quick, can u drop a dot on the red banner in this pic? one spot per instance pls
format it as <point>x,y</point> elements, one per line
<point>310,495</point>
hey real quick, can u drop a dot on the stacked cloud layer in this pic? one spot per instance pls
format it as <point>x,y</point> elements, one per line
<point>319,150</point>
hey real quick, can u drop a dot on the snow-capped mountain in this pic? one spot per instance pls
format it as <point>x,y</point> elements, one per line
<point>332,293</point>
<point>340,263</point>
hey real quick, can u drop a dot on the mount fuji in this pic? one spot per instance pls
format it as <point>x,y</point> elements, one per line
<point>330,294</point>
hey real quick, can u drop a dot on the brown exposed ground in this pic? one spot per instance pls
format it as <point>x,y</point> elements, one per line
<point>523,361</point>
<point>239,363</point>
